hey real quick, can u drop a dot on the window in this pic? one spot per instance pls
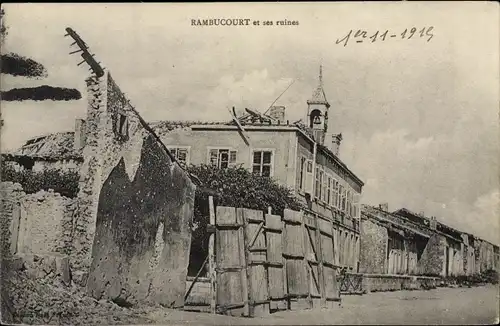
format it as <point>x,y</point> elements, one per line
<point>339,196</point>
<point>121,125</point>
<point>335,193</point>
<point>325,187</point>
<point>329,190</point>
<point>222,158</point>
<point>343,193</point>
<point>321,185</point>
<point>262,163</point>
<point>181,154</point>
<point>348,203</point>
<point>317,185</point>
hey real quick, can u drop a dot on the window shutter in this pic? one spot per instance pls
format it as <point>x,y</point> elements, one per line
<point>309,178</point>
<point>356,206</point>
<point>213,156</point>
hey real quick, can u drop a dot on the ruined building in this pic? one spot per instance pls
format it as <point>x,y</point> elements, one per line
<point>303,156</point>
<point>407,243</point>
<point>126,235</point>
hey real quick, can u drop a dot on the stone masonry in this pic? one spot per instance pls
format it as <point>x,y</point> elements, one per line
<point>135,206</point>
<point>373,248</point>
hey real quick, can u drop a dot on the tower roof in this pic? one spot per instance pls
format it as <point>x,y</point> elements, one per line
<point>318,96</point>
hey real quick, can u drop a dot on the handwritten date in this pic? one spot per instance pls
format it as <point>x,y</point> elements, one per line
<point>361,36</point>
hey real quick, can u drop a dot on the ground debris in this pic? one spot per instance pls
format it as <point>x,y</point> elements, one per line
<point>37,301</point>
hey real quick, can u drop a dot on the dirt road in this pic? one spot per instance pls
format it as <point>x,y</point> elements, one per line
<point>440,306</point>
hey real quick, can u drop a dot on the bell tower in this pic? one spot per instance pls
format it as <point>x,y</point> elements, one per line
<point>317,111</point>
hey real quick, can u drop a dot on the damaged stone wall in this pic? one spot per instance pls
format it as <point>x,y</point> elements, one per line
<point>135,206</point>
<point>9,196</point>
<point>46,223</point>
<point>432,259</point>
<point>39,223</point>
<point>373,248</point>
<point>36,233</point>
<point>485,256</point>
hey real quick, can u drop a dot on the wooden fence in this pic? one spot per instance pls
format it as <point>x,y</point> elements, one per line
<point>266,263</point>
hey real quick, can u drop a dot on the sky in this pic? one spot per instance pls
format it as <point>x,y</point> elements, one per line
<point>419,118</point>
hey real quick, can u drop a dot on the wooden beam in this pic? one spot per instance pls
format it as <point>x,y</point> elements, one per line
<point>244,257</point>
<point>195,278</point>
<point>211,258</point>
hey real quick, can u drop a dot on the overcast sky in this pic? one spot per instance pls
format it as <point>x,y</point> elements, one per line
<point>419,119</point>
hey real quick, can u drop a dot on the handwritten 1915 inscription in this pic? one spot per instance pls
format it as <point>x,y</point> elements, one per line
<point>361,36</point>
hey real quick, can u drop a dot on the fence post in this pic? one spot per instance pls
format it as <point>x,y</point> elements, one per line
<point>306,262</point>
<point>244,254</point>
<point>211,258</point>
<point>319,257</point>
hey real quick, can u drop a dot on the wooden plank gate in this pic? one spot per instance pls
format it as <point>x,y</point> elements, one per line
<point>308,244</point>
<point>265,263</point>
<point>231,271</point>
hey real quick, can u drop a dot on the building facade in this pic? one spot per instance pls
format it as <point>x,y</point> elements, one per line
<point>407,243</point>
<point>303,157</point>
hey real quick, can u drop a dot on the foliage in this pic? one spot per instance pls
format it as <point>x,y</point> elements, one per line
<point>489,276</point>
<point>234,187</point>
<point>63,182</point>
<point>18,65</point>
<point>3,28</point>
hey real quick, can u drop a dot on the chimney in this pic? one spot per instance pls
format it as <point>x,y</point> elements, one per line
<point>80,136</point>
<point>336,139</point>
<point>384,207</point>
<point>433,223</point>
<point>278,113</point>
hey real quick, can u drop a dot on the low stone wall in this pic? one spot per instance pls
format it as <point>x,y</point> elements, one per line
<point>385,282</point>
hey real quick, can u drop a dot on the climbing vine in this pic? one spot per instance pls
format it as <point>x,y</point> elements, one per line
<point>234,187</point>
<point>63,182</point>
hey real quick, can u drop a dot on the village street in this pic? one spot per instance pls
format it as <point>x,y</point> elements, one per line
<point>443,306</point>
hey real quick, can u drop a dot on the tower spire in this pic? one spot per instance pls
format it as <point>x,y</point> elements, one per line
<point>321,75</point>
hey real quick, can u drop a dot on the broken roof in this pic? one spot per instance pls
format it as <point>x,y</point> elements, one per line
<point>61,145</point>
<point>54,146</point>
<point>396,220</point>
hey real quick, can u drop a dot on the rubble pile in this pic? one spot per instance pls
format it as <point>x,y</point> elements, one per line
<point>41,294</point>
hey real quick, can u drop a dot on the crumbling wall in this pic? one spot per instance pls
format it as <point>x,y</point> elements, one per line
<point>485,256</point>
<point>9,196</point>
<point>39,223</point>
<point>45,224</point>
<point>373,248</point>
<point>432,260</point>
<point>136,206</point>
<point>36,234</point>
